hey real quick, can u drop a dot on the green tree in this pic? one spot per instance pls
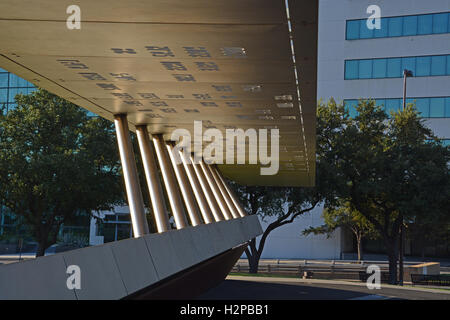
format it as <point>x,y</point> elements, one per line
<point>276,205</point>
<point>386,168</point>
<point>56,163</point>
<point>345,217</point>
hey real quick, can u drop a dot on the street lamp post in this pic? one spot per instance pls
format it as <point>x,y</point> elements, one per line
<point>406,74</point>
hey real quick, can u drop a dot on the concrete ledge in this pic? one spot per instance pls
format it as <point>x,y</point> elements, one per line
<point>119,269</point>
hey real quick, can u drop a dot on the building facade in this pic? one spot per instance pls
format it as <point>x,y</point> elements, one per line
<point>355,62</point>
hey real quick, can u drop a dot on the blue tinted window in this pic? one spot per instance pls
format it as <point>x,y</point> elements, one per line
<point>364,31</point>
<point>379,68</point>
<point>410,26</point>
<point>351,105</point>
<point>392,105</point>
<point>394,68</point>
<point>423,66</point>
<point>395,27</point>
<point>14,81</point>
<point>425,23</point>
<point>437,107</point>
<point>438,65</point>
<point>440,23</point>
<point>381,103</point>
<point>12,94</point>
<point>447,107</point>
<point>365,69</point>
<point>383,31</point>
<point>409,64</point>
<point>423,106</point>
<point>351,69</point>
<point>353,29</point>
<point>3,80</point>
<point>448,65</point>
<point>3,96</point>
<point>446,142</point>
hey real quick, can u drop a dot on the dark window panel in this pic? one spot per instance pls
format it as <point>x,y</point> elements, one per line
<point>394,68</point>
<point>437,107</point>
<point>410,26</point>
<point>425,23</point>
<point>383,32</point>
<point>409,64</point>
<point>364,31</point>
<point>438,65</point>
<point>423,66</point>
<point>379,68</point>
<point>440,23</point>
<point>423,106</point>
<point>351,69</point>
<point>353,29</point>
<point>395,27</point>
<point>365,69</point>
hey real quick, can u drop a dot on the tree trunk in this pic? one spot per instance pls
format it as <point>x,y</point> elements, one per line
<point>392,251</point>
<point>253,256</point>
<point>253,263</point>
<point>360,248</point>
<point>42,246</point>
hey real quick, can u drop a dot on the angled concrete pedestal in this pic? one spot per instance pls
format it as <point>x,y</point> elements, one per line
<point>153,266</point>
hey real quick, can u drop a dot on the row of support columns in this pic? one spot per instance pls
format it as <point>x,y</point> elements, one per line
<point>196,192</point>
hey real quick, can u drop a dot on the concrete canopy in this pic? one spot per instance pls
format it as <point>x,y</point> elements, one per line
<point>166,63</point>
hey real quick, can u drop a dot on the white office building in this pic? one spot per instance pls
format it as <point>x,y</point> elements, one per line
<point>356,62</point>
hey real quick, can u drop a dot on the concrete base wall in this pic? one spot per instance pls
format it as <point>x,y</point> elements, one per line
<point>118,269</point>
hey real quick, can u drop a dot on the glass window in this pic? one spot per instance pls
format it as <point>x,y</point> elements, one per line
<point>351,107</point>
<point>394,68</point>
<point>3,80</point>
<point>423,106</point>
<point>447,107</point>
<point>14,81</point>
<point>410,26</point>
<point>409,64</point>
<point>383,32</point>
<point>12,94</point>
<point>423,66</point>
<point>353,29</point>
<point>381,103</point>
<point>365,69</point>
<point>3,96</point>
<point>425,24</point>
<point>440,23</point>
<point>448,29</point>
<point>437,107</point>
<point>438,65</point>
<point>448,65</point>
<point>392,105</point>
<point>351,69</point>
<point>364,31</point>
<point>395,27</point>
<point>379,68</point>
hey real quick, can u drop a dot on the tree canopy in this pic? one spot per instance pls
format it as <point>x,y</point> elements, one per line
<point>55,163</point>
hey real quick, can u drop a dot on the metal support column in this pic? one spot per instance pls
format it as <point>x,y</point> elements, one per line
<point>215,189</point>
<point>218,216</point>
<point>170,182</point>
<point>197,188</point>
<point>233,197</point>
<point>153,180</point>
<point>133,189</point>
<point>185,187</point>
<point>234,211</point>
